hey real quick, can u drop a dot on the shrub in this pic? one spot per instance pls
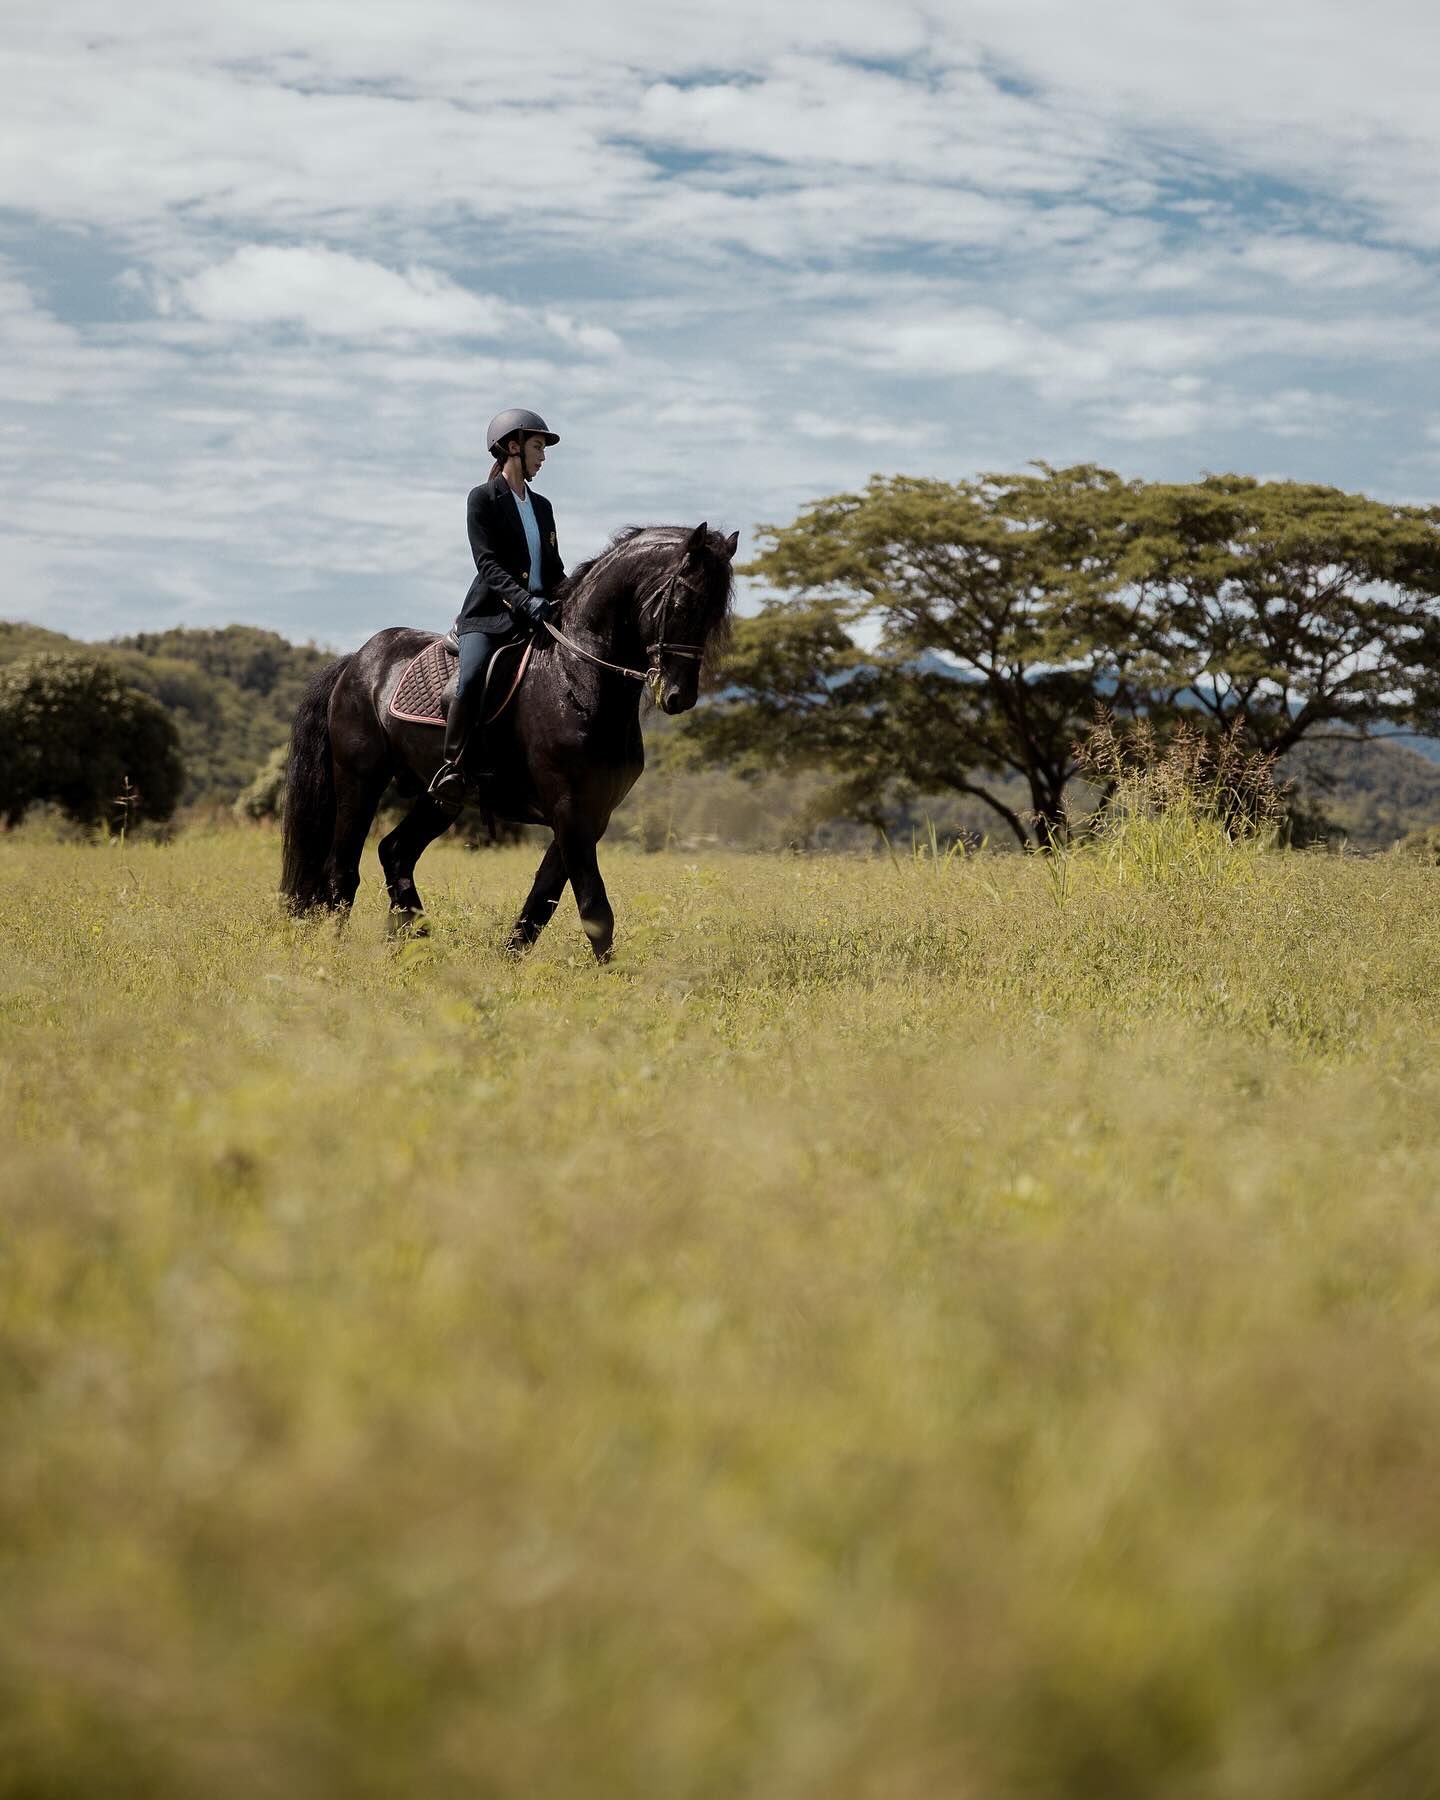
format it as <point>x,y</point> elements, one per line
<point>1424,843</point>
<point>73,733</point>
<point>265,796</point>
<point>1196,805</point>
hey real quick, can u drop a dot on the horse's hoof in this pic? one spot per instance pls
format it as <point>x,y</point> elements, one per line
<point>406,922</point>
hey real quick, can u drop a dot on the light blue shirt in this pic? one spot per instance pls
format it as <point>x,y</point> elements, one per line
<point>532,536</point>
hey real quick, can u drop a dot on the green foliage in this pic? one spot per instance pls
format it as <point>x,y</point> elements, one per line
<point>231,693</point>
<point>890,1335</point>
<point>17,640</point>
<point>265,796</point>
<point>1424,843</point>
<point>1284,605</point>
<point>996,613</point>
<point>73,733</point>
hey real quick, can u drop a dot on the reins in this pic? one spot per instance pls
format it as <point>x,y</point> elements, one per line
<point>599,661</point>
<point>651,673</point>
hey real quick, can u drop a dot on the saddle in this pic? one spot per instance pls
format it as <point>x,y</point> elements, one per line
<point>427,685</point>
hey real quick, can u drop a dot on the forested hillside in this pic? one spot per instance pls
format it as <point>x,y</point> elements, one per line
<point>1371,793</point>
<point>231,691</point>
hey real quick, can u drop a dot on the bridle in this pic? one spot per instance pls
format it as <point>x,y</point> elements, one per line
<point>650,674</point>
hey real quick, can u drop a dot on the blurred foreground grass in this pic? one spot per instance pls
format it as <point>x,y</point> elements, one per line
<point>902,1332</point>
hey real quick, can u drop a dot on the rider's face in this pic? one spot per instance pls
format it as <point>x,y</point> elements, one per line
<point>534,456</point>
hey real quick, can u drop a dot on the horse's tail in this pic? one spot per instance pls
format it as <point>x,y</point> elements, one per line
<point>310,796</point>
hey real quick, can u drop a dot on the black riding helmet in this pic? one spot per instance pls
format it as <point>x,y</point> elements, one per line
<point>516,419</point>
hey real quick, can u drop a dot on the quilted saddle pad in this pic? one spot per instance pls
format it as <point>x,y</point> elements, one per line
<point>417,697</point>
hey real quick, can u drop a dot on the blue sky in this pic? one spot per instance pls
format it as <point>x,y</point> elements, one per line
<point>267,270</point>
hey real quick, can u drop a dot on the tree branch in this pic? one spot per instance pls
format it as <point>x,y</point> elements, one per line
<point>1008,814</point>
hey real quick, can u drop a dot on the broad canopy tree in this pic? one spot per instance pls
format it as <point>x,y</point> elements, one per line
<point>74,733</point>
<point>943,635</point>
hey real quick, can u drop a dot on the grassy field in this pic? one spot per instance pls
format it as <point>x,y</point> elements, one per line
<point>904,1331</point>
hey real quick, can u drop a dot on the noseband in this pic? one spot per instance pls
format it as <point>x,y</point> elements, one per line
<point>653,652</point>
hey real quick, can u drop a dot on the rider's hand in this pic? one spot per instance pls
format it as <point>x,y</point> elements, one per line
<point>537,610</point>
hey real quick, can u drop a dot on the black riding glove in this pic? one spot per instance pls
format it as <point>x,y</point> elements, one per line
<point>536,610</point>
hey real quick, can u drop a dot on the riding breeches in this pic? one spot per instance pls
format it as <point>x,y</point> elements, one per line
<point>476,650</point>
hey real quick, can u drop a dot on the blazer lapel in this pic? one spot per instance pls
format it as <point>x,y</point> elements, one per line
<point>510,513</point>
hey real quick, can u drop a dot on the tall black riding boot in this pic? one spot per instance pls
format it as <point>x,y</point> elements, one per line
<point>447,787</point>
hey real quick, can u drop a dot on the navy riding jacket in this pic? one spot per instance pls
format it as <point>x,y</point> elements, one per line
<point>502,556</point>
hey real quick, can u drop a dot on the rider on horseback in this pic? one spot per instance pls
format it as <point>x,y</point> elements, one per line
<point>517,563</point>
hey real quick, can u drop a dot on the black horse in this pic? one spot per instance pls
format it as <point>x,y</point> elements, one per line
<point>564,753</point>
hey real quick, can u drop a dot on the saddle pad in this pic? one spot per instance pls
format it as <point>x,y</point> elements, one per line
<point>417,697</point>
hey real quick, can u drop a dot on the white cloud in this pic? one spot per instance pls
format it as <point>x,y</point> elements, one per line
<point>958,126</point>
<point>246,114</point>
<point>1334,266</point>
<point>1186,404</point>
<point>332,294</point>
<point>724,239</point>
<point>1300,412</point>
<point>1080,358</point>
<point>328,293</point>
<point>862,434</point>
<point>597,340</point>
<point>1170,415</point>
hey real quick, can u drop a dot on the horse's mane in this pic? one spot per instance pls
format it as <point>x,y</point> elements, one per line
<point>618,539</point>
<point>653,546</point>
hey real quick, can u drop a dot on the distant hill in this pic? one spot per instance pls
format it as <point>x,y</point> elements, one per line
<point>231,691</point>
<point>1368,792</point>
<point>1428,747</point>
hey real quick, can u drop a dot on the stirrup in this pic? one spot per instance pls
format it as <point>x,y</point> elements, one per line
<point>447,786</point>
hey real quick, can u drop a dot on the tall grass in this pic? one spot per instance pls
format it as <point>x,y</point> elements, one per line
<point>1197,808</point>
<point>891,1335</point>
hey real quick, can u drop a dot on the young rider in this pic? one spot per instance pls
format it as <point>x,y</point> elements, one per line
<point>517,563</point>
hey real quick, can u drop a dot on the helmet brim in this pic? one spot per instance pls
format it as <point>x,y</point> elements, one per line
<point>546,437</point>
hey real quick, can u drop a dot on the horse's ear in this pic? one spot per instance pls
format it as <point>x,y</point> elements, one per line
<point>731,545</point>
<point>695,548</point>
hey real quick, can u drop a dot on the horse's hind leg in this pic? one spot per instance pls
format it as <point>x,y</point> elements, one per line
<point>357,795</point>
<point>540,903</point>
<point>402,849</point>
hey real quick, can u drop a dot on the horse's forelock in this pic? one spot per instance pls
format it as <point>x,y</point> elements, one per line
<point>717,587</point>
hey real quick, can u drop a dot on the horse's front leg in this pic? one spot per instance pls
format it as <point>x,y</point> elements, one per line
<point>577,836</point>
<point>540,902</point>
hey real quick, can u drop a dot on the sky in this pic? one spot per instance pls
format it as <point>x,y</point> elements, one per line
<point>267,270</point>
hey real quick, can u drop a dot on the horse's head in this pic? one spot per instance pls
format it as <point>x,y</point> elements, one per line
<point>685,613</point>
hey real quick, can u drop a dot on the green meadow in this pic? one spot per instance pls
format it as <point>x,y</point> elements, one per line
<point>911,1328</point>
